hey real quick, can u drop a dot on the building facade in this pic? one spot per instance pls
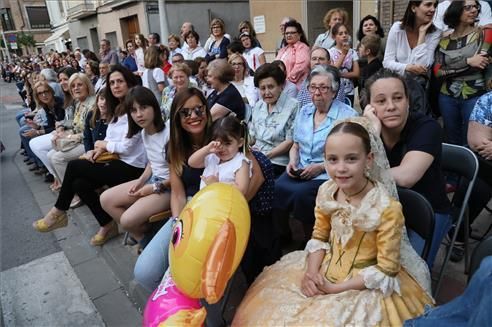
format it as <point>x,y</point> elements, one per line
<point>22,20</point>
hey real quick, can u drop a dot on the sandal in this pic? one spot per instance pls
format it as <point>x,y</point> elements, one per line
<point>99,240</point>
<point>60,221</point>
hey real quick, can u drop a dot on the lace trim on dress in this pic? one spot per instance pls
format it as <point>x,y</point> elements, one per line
<point>344,217</point>
<point>314,245</point>
<point>376,279</point>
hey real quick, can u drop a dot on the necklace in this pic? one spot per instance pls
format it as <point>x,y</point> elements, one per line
<point>348,198</point>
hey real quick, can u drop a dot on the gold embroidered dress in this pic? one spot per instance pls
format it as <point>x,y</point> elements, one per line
<point>362,241</point>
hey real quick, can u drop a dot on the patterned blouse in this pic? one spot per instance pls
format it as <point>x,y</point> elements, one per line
<point>270,129</point>
<point>482,112</point>
<point>459,79</point>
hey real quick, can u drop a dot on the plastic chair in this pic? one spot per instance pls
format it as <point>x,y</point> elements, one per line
<point>419,216</point>
<point>462,162</point>
<point>483,249</point>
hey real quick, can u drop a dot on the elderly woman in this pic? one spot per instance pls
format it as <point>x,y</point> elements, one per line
<point>218,47</point>
<point>180,76</point>
<point>243,82</point>
<point>194,50</point>
<point>461,65</point>
<point>296,188</point>
<point>412,143</point>
<point>225,98</point>
<point>68,139</point>
<point>413,40</point>
<point>332,17</point>
<point>295,54</point>
<point>272,123</point>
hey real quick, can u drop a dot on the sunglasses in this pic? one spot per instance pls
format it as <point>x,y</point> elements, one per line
<point>470,7</point>
<point>187,112</point>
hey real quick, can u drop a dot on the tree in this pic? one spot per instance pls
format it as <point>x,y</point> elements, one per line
<point>26,40</point>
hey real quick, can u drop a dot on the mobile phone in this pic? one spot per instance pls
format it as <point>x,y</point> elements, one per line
<point>296,172</point>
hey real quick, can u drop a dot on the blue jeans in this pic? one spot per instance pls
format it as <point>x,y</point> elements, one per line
<point>455,115</point>
<point>19,117</point>
<point>472,308</point>
<point>442,225</point>
<point>27,148</point>
<point>153,262</point>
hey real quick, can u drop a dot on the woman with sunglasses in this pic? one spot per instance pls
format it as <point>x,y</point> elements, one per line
<point>191,126</point>
<point>462,58</point>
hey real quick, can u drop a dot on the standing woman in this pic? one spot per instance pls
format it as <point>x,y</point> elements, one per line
<point>91,69</point>
<point>332,17</point>
<point>193,50</point>
<point>413,40</point>
<point>461,64</point>
<point>295,54</point>
<point>129,61</point>
<point>84,176</point>
<point>243,82</point>
<point>254,54</point>
<point>218,47</point>
<point>140,47</point>
<point>370,25</point>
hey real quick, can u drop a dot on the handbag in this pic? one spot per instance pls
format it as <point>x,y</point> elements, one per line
<point>65,143</point>
<point>107,157</point>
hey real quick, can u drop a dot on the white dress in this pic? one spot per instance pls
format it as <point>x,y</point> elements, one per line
<point>226,170</point>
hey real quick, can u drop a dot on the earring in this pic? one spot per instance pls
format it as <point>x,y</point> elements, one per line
<point>367,172</point>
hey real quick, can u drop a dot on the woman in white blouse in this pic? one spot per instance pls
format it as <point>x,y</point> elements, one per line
<point>84,176</point>
<point>193,50</point>
<point>243,82</point>
<point>413,40</point>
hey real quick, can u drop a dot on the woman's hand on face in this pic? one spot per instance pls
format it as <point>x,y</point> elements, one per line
<point>311,171</point>
<point>143,191</point>
<point>416,69</point>
<point>423,28</point>
<point>479,61</point>
<point>308,285</point>
<point>370,114</point>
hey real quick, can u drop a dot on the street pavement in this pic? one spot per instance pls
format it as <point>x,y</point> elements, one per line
<point>52,279</point>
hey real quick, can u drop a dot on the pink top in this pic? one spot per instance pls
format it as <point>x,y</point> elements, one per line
<point>296,59</point>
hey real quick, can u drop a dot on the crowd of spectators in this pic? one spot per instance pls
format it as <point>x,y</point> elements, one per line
<point>116,130</point>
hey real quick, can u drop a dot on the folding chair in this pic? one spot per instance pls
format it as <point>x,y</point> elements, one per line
<point>462,162</point>
<point>419,217</point>
<point>483,249</point>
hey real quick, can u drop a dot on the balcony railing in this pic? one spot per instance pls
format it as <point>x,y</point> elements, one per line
<point>82,10</point>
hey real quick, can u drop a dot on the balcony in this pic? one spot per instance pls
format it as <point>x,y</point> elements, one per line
<point>88,8</point>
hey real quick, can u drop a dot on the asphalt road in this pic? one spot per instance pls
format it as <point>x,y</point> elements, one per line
<point>19,243</point>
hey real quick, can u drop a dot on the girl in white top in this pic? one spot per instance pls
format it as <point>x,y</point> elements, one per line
<point>222,158</point>
<point>254,55</point>
<point>132,203</point>
<point>140,46</point>
<point>153,76</point>
<point>412,41</point>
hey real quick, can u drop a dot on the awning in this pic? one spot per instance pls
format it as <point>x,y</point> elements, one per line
<point>56,35</point>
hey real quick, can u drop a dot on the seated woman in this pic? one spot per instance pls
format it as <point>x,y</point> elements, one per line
<point>40,136</point>
<point>191,127</point>
<point>357,268</point>
<point>84,176</point>
<point>180,76</point>
<point>412,142</point>
<point>296,188</point>
<point>272,123</point>
<point>225,98</point>
<point>243,82</point>
<point>132,203</point>
<point>72,131</point>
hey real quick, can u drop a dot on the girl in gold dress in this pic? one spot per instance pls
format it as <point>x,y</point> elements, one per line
<point>358,268</point>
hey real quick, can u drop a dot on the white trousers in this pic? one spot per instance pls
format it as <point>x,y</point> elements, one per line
<point>59,160</point>
<point>41,145</point>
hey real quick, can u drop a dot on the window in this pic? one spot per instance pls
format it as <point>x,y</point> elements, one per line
<point>38,17</point>
<point>6,17</point>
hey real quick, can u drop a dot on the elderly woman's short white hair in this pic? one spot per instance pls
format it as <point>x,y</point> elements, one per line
<point>329,71</point>
<point>49,74</point>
